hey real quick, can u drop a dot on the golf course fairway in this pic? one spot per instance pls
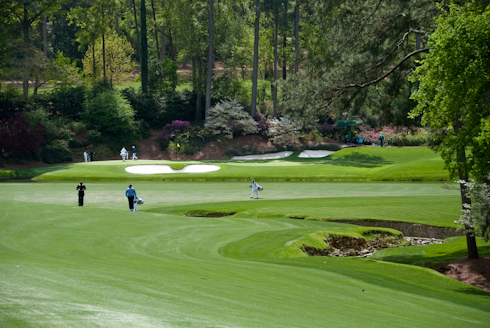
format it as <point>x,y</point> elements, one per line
<point>101,265</point>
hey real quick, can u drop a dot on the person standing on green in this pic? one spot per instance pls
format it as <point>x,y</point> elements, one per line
<point>131,194</point>
<point>134,153</point>
<point>81,193</point>
<point>381,139</point>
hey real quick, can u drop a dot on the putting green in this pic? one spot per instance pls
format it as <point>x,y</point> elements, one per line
<point>102,265</point>
<point>356,164</point>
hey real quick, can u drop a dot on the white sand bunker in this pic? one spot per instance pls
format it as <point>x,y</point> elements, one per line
<point>315,153</point>
<point>160,169</point>
<point>279,155</point>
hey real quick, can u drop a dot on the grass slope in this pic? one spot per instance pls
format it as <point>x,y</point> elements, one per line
<point>101,265</point>
<point>357,164</point>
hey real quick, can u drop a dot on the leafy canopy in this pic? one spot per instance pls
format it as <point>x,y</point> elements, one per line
<point>454,92</point>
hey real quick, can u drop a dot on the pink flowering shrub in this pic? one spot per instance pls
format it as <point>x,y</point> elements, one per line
<point>262,124</point>
<point>172,131</point>
<point>396,136</point>
<point>328,130</point>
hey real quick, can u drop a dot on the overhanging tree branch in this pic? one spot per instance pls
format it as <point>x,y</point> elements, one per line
<point>360,86</point>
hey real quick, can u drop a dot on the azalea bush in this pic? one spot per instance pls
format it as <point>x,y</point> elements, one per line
<point>171,131</point>
<point>283,131</point>
<point>19,137</point>
<point>262,124</point>
<point>396,136</point>
<point>228,118</point>
<point>328,130</point>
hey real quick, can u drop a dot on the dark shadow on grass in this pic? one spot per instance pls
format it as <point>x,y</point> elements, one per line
<point>416,259</point>
<point>28,174</point>
<point>354,159</point>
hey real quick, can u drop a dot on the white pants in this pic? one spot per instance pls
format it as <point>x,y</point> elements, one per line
<point>124,158</point>
<point>256,191</point>
<point>134,156</point>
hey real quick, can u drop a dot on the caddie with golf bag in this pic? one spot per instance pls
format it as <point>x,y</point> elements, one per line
<point>255,189</point>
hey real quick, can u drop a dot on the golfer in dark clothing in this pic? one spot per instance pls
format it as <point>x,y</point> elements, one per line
<point>131,193</point>
<point>81,192</point>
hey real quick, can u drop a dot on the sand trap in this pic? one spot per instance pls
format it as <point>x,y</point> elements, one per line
<point>160,169</point>
<point>282,154</point>
<point>315,153</point>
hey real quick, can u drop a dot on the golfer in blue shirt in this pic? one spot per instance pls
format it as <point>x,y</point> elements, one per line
<point>131,193</point>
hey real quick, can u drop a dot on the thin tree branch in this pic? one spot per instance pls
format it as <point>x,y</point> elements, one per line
<point>33,18</point>
<point>399,43</point>
<point>360,86</point>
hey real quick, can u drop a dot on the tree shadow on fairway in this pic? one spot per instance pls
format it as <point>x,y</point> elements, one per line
<point>354,159</point>
<point>28,174</point>
<point>358,160</point>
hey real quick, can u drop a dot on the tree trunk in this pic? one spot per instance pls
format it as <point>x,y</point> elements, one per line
<point>117,22</point>
<point>463,175</point>
<point>200,74</point>
<point>137,31</point>
<point>163,45</point>
<point>296,39</point>
<point>94,64</point>
<point>155,27</point>
<point>144,49</point>
<point>171,45</point>
<point>103,55</point>
<point>209,76</point>
<point>27,67</point>
<point>45,36</point>
<point>256,57</point>
<point>274,93</point>
<point>284,41</point>
<point>194,74</point>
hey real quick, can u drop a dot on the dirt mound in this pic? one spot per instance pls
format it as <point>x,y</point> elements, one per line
<point>471,272</point>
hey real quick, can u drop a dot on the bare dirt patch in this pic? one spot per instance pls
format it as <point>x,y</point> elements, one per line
<point>471,272</point>
<point>210,214</point>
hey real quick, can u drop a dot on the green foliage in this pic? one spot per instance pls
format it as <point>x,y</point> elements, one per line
<point>57,152</point>
<point>118,58</point>
<point>476,216</point>
<point>148,107</point>
<point>111,115</point>
<point>162,77</point>
<point>228,118</point>
<point>67,73</point>
<point>67,102</point>
<point>282,131</point>
<point>455,87</point>
<point>180,106</point>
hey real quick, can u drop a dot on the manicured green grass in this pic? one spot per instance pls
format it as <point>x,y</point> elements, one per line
<point>354,164</point>
<point>101,265</point>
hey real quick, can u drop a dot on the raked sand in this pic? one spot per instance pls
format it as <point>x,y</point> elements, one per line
<point>315,153</point>
<point>279,155</point>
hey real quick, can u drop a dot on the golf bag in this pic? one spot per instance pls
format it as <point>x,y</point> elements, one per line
<point>137,201</point>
